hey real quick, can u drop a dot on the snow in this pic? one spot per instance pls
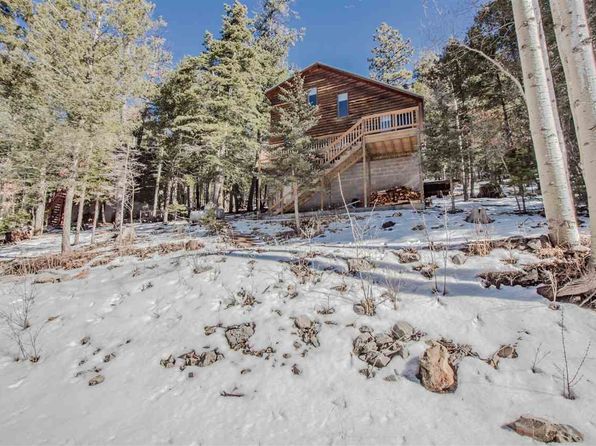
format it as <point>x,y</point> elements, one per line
<point>145,310</point>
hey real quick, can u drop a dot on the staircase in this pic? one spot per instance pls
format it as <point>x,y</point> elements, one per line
<point>56,208</point>
<point>343,152</point>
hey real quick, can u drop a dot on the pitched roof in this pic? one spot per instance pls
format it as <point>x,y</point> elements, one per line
<point>352,75</point>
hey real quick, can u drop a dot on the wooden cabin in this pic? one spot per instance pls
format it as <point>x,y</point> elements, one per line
<point>368,133</point>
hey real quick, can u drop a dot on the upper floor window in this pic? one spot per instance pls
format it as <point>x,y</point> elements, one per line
<point>342,105</point>
<point>312,96</point>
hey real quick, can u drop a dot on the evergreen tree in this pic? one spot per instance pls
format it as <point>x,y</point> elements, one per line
<point>296,162</point>
<point>390,57</point>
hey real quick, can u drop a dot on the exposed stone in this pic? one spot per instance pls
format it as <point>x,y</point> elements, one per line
<point>420,227</point>
<point>238,335</point>
<point>507,351</point>
<point>210,329</point>
<point>296,370</point>
<point>435,372</point>
<point>365,329</point>
<point>359,309</point>
<point>109,357</point>
<point>303,322</point>
<point>85,340</point>
<point>402,330</point>
<point>388,224</point>
<point>459,259</point>
<point>534,244</point>
<point>168,362</point>
<point>97,379</point>
<point>546,431</point>
<point>128,236</point>
<point>48,278</point>
<point>383,339</point>
<point>391,378</point>
<point>193,245</point>
<point>408,256</point>
<point>359,265</point>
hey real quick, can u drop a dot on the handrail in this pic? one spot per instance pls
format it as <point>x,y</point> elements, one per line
<point>377,123</point>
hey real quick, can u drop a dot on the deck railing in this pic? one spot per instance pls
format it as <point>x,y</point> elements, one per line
<point>368,125</point>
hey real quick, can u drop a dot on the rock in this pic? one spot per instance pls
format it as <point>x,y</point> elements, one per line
<point>193,245</point>
<point>85,340</point>
<point>383,339</point>
<point>388,224</point>
<point>210,357</point>
<point>408,256</point>
<point>479,216</point>
<point>380,360</point>
<point>435,373</point>
<point>191,374</point>
<point>459,259</point>
<point>507,351</point>
<point>420,227</point>
<point>390,378</point>
<point>296,370</point>
<point>358,265</point>
<point>97,379</point>
<point>48,278</point>
<point>546,431</point>
<point>109,357</point>
<point>245,371</point>
<point>220,213</point>
<point>365,329</point>
<point>364,343</point>
<point>210,329</point>
<point>303,322</point>
<point>402,330</point>
<point>238,335</point>
<point>359,309</point>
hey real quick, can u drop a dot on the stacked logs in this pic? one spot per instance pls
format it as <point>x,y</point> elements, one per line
<point>395,195</point>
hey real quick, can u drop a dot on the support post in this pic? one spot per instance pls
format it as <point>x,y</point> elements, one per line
<point>364,174</point>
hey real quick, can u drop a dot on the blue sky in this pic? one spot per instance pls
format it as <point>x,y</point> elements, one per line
<point>337,32</point>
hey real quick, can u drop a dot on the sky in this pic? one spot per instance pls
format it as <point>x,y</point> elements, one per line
<point>336,32</point>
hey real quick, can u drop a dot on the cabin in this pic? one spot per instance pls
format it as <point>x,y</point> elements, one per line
<point>368,135</point>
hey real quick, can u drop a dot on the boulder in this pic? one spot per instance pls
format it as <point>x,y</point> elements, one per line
<point>419,227</point>
<point>546,431</point>
<point>196,216</point>
<point>436,373</point>
<point>534,244</point>
<point>128,235</point>
<point>97,379</point>
<point>490,190</point>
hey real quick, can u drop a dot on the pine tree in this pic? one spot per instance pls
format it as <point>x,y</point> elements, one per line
<point>390,57</point>
<point>296,162</point>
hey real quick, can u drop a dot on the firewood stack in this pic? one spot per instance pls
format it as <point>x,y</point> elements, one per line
<point>395,195</point>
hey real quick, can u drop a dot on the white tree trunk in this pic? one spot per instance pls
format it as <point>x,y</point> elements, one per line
<point>80,211</point>
<point>67,219</point>
<point>577,56</point>
<point>554,181</point>
<point>296,206</point>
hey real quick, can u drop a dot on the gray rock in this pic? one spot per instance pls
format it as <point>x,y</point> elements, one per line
<point>85,340</point>
<point>303,322</point>
<point>383,339</point>
<point>359,309</point>
<point>408,256</point>
<point>402,330</point>
<point>238,335</point>
<point>296,370</point>
<point>546,431</point>
<point>479,216</point>
<point>459,259</point>
<point>420,227</point>
<point>390,378</point>
<point>359,265</point>
<point>365,329</point>
<point>388,224</point>
<point>97,379</point>
<point>209,358</point>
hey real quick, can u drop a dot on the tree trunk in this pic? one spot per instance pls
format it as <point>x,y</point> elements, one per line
<point>95,217</point>
<point>167,201</point>
<point>67,218</point>
<point>579,64</point>
<point>251,194</point>
<point>157,183</point>
<point>296,207</point>
<point>554,182</point>
<point>103,213</point>
<point>40,209</point>
<point>80,211</point>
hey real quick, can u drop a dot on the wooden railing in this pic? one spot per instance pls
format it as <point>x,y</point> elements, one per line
<point>368,125</point>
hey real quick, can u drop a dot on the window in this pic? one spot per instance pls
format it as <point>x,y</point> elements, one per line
<point>312,96</point>
<point>342,105</point>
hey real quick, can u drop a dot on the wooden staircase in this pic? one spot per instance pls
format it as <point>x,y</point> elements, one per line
<point>56,208</point>
<point>341,153</point>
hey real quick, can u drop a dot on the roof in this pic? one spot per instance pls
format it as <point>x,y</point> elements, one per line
<point>349,74</point>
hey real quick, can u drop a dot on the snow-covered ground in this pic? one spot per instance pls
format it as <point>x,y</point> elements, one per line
<point>132,314</point>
